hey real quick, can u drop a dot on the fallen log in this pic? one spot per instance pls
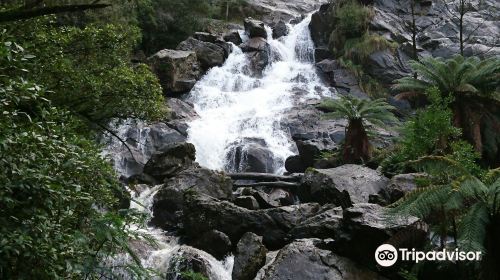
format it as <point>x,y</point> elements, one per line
<point>278,184</point>
<point>265,177</point>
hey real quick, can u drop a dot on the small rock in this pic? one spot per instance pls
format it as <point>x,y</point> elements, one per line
<point>247,201</point>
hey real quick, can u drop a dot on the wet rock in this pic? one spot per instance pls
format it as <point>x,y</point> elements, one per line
<point>280,29</point>
<point>320,26</point>
<point>215,243</point>
<point>208,54</point>
<point>170,160</point>
<point>303,260</point>
<point>275,10</point>
<point>169,202</point>
<point>181,110</point>
<point>203,213</point>
<point>250,155</point>
<point>294,164</point>
<point>177,70</point>
<point>250,256</point>
<point>257,44</point>
<point>342,79</point>
<point>247,201</point>
<point>187,259</point>
<point>233,37</point>
<point>322,53</point>
<point>332,185</point>
<point>255,28</point>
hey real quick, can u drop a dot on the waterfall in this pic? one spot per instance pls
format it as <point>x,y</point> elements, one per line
<point>233,105</point>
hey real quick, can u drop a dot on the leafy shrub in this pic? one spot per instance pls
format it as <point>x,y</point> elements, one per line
<point>358,49</point>
<point>352,19</point>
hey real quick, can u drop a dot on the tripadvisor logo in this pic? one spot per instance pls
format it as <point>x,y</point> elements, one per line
<point>387,255</point>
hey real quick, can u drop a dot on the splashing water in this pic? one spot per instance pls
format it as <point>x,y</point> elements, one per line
<point>234,105</point>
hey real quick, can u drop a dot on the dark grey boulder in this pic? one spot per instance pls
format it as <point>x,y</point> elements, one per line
<point>280,29</point>
<point>203,213</point>
<point>234,37</point>
<point>169,201</point>
<point>255,28</point>
<point>205,37</point>
<point>250,256</point>
<point>247,201</point>
<point>215,243</point>
<point>170,160</point>
<point>342,184</point>
<point>302,259</point>
<point>177,70</point>
<point>208,54</point>
<point>250,155</point>
<point>323,225</point>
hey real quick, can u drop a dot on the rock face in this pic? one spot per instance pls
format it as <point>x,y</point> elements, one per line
<point>343,80</point>
<point>177,70</point>
<point>169,160</point>
<point>203,213</point>
<point>215,243</point>
<point>209,54</point>
<point>255,28</point>
<point>275,10</point>
<point>366,226</point>
<point>303,260</point>
<point>250,256</point>
<point>387,67</point>
<point>169,201</point>
<point>342,184</point>
<point>250,155</point>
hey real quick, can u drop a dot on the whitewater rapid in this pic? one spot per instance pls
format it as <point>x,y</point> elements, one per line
<point>233,105</point>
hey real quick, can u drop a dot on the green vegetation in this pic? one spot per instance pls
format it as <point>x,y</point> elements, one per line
<point>191,275</point>
<point>473,86</point>
<point>60,212</point>
<point>457,203</point>
<point>359,113</point>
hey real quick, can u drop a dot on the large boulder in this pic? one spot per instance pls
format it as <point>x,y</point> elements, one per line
<point>341,78</point>
<point>203,213</point>
<point>371,220</point>
<point>234,37</point>
<point>280,29</point>
<point>387,66</point>
<point>170,160</point>
<point>342,185</point>
<point>400,185</point>
<point>208,54</point>
<point>169,201</point>
<point>303,260</point>
<point>250,256</point>
<point>177,70</point>
<point>215,243</point>
<point>185,259</point>
<point>323,225</point>
<point>255,28</point>
<point>258,52</point>
<point>250,155</point>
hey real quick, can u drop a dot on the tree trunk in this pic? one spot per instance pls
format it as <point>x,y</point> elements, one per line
<point>227,10</point>
<point>357,147</point>
<point>461,26</point>
<point>468,118</point>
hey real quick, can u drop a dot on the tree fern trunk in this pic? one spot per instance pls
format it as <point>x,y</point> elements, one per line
<point>357,147</point>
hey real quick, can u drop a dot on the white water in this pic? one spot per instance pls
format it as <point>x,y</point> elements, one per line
<point>233,105</point>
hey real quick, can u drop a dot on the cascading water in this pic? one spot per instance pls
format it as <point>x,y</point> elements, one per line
<point>233,105</point>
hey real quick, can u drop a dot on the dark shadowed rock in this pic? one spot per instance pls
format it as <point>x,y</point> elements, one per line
<point>255,28</point>
<point>370,220</point>
<point>188,259</point>
<point>203,213</point>
<point>234,37</point>
<point>208,54</point>
<point>320,26</point>
<point>247,201</point>
<point>250,256</point>
<point>294,164</point>
<point>250,155</point>
<point>317,187</point>
<point>400,185</point>
<point>280,29</point>
<point>215,243</point>
<point>387,66</point>
<point>323,225</point>
<point>170,160</point>
<point>303,260</point>
<point>177,70</point>
<point>168,203</point>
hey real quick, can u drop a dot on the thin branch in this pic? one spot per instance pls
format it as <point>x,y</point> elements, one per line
<point>20,14</point>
